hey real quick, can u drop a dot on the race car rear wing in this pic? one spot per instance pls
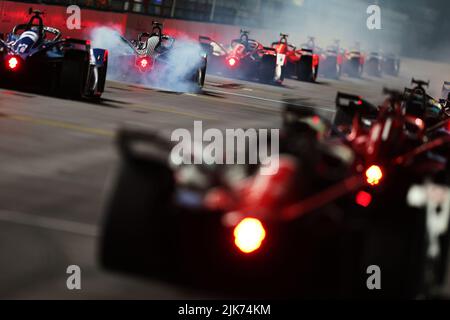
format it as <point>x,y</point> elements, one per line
<point>69,43</point>
<point>206,43</point>
<point>408,92</point>
<point>204,39</point>
<point>270,49</point>
<point>78,43</point>
<point>349,105</point>
<point>346,100</point>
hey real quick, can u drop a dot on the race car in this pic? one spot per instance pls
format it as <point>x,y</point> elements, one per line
<point>246,58</point>
<point>414,102</point>
<point>331,60</point>
<point>161,60</point>
<point>302,64</point>
<point>391,65</point>
<point>374,64</point>
<point>353,62</point>
<point>36,57</point>
<point>341,202</point>
<point>403,147</point>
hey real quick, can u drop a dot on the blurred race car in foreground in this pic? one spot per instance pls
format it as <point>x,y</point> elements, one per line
<point>246,58</point>
<point>36,57</point>
<point>302,64</point>
<point>159,59</point>
<point>369,191</point>
<point>331,60</point>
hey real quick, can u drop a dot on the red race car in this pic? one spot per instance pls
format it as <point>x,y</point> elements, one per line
<point>245,58</point>
<point>331,60</point>
<point>354,61</point>
<point>302,64</point>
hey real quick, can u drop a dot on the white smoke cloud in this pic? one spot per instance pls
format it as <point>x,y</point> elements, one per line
<point>175,74</point>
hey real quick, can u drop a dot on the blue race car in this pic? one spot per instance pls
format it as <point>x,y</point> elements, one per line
<point>36,57</point>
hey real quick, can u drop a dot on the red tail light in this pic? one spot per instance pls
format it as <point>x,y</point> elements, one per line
<point>374,175</point>
<point>232,62</point>
<point>13,63</point>
<point>144,63</point>
<point>249,235</point>
<point>363,199</point>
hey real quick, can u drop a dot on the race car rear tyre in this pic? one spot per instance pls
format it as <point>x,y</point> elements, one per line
<point>355,70</point>
<point>102,78</point>
<point>373,69</point>
<point>199,79</point>
<point>73,74</point>
<point>202,77</point>
<point>138,206</point>
<point>96,92</point>
<point>305,71</point>
<point>337,73</point>
<point>267,69</point>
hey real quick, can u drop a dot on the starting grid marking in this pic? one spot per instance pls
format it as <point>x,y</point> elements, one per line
<point>61,124</point>
<point>60,225</point>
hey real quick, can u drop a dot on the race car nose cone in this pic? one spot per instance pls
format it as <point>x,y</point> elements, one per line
<point>249,235</point>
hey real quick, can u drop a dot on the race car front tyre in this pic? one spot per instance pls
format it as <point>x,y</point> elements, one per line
<point>355,70</point>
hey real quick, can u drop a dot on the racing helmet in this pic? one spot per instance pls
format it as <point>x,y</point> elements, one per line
<point>26,40</point>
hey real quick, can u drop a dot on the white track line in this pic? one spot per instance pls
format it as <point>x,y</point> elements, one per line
<point>31,220</point>
<point>268,100</point>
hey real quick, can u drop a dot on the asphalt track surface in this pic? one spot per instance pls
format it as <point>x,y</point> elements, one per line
<point>57,157</point>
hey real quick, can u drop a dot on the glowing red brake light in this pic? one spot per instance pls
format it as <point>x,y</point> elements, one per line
<point>232,62</point>
<point>363,199</point>
<point>249,235</point>
<point>12,63</point>
<point>144,63</point>
<point>374,175</point>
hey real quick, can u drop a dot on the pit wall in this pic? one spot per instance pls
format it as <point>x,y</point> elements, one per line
<point>13,13</point>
